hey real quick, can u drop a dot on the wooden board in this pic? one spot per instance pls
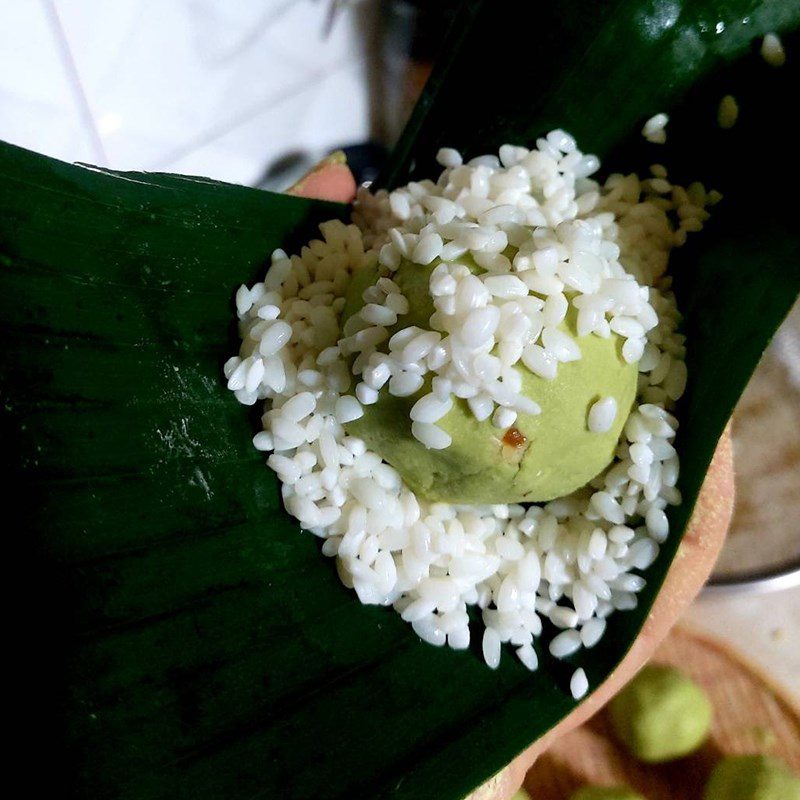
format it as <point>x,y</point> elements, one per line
<point>766,446</point>
<point>750,717</point>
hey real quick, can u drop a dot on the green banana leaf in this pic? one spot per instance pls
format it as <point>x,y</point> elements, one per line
<point>182,638</point>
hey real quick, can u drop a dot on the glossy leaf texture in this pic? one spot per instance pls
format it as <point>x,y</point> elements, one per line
<point>182,638</point>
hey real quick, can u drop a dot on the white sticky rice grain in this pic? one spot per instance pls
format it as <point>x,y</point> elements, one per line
<point>397,303</point>
<point>448,157</point>
<point>430,409</point>
<point>579,684</point>
<point>642,553</point>
<point>491,648</point>
<point>329,450</point>
<point>592,631</point>
<point>348,409</point>
<point>263,441</point>
<point>459,638</point>
<point>404,384</point>
<point>299,406</point>
<point>551,243</point>
<point>432,436</point>
<point>654,129</point>
<point>429,631</point>
<point>657,523</point>
<point>540,361</point>
<point>608,507</point>
<point>274,338</point>
<point>366,395</point>
<point>428,248</point>
<point>563,617</point>
<point>527,655</point>
<point>565,644</point>
<point>238,375</point>
<point>285,467</point>
<point>561,345</point>
<point>504,418</point>
<point>602,415</point>
<point>632,350</point>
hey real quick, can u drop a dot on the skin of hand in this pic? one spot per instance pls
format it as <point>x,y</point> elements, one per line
<point>705,534</point>
<point>331,179</point>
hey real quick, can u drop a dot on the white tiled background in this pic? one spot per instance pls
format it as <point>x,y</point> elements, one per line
<point>212,87</point>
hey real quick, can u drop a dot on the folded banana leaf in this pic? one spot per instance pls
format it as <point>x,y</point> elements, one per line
<point>182,638</point>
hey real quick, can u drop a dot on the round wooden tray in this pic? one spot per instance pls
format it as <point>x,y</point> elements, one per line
<point>750,716</point>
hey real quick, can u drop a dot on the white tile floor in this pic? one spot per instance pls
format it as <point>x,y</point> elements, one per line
<point>207,87</point>
<point>766,628</point>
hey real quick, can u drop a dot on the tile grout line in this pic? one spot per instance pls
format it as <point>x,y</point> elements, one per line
<point>76,85</point>
<point>248,115</point>
<point>268,19</point>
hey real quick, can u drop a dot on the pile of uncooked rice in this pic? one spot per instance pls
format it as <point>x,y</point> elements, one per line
<point>548,237</point>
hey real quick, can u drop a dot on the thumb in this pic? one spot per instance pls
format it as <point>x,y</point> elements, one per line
<point>331,179</point>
